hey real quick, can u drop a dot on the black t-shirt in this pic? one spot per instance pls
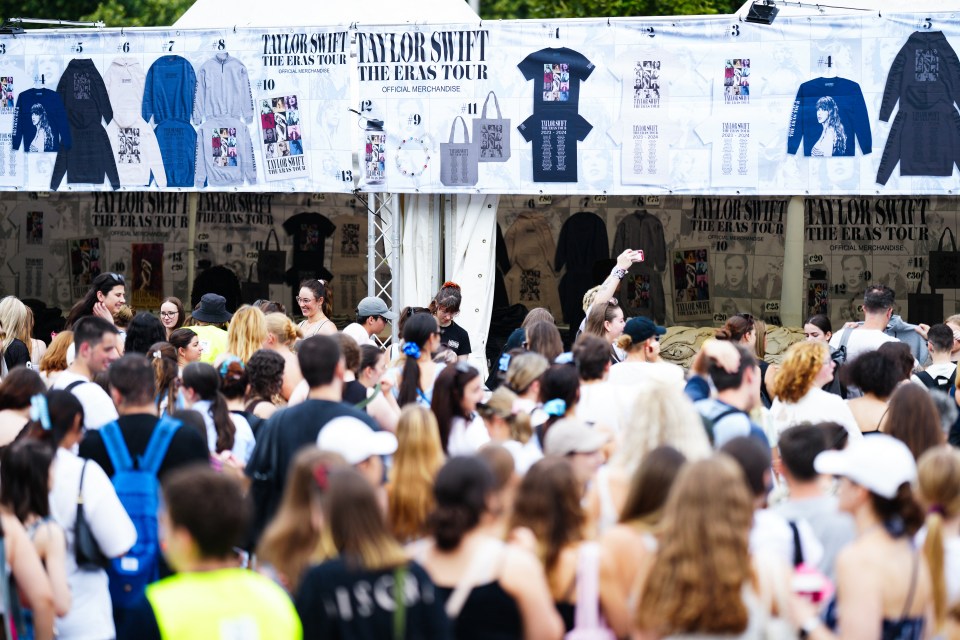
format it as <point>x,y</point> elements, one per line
<point>310,232</point>
<point>340,601</point>
<point>16,354</point>
<point>554,136</point>
<point>457,338</point>
<point>278,441</point>
<point>354,393</point>
<point>187,446</point>
<point>556,75</point>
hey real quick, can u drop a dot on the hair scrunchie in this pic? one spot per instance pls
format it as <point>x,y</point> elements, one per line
<point>556,408</point>
<point>411,350</point>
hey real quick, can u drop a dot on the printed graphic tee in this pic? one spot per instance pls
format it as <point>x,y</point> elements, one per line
<point>556,125</point>
<point>310,232</point>
<point>735,156</point>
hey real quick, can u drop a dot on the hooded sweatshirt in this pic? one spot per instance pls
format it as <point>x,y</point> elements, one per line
<point>169,90</point>
<point>47,105</point>
<point>223,89</point>
<point>85,98</point>
<point>125,81</point>
<point>224,154</point>
<point>135,150</point>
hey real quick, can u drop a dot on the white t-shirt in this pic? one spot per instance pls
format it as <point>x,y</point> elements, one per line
<point>243,440</point>
<point>604,404</point>
<point>524,455</point>
<point>98,408</point>
<point>860,341</point>
<point>466,438</point>
<point>771,533</point>
<point>359,334</point>
<point>816,406</point>
<point>636,373</point>
<point>91,614</point>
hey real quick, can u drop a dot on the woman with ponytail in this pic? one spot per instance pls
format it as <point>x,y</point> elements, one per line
<point>884,587</point>
<point>282,334</point>
<point>939,475</point>
<point>456,393</point>
<point>445,306</point>
<point>163,358</point>
<point>418,371</point>
<point>228,435</point>
<point>505,593</point>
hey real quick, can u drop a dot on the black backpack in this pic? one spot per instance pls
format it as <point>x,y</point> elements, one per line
<point>940,383</point>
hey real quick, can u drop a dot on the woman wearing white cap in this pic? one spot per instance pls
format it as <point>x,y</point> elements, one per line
<point>884,587</point>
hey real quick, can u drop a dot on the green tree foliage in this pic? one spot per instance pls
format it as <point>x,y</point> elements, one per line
<point>115,13</point>
<point>549,9</point>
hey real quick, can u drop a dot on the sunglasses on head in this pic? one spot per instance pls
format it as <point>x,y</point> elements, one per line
<point>117,277</point>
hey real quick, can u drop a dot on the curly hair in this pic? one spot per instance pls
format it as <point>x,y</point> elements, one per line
<point>872,372</point>
<point>696,581</point>
<point>548,503</point>
<point>800,367</point>
<point>265,374</point>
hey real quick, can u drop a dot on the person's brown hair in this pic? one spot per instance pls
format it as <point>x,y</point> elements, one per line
<point>548,503</point>
<point>524,370</point>
<point>900,355</point>
<point>913,418</point>
<point>650,486</point>
<point>418,458</point>
<point>357,527</point>
<point>292,541</point>
<point>351,352</point>
<point>210,506</point>
<point>544,338</point>
<point>21,384</point>
<point>599,314</point>
<point>163,359</point>
<point>696,582</point>
<point>537,314</point>
<point>939,491</point>
<point>800,367</point>
<point>449,297</point>
<point>321,291</point>
<point>181,314</point>
<point>736,327</point>
<point>55,357</point>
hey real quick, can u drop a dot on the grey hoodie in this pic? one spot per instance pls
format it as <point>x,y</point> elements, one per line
<point>223,89</point>
<point>904,332</point>
<point>224,154</point>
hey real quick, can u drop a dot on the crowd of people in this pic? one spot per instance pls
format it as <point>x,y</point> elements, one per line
<point>218,474</point>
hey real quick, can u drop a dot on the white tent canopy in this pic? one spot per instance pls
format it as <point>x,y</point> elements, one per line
<point>254,13</point>
<point>853,7</point>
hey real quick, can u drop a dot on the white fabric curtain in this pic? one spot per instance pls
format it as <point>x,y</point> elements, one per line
<point>419,270</point>
<point>471,264</point>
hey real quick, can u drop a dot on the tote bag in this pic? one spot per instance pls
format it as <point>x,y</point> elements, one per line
<point>945,265</point>
<point>459,160</point>
<point>492,135</point>
<point>271,263</point>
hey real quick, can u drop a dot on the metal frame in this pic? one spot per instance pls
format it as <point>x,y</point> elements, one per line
<point>383,248</point>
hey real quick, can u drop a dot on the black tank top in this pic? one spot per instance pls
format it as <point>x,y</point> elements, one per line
<point>489,613</point>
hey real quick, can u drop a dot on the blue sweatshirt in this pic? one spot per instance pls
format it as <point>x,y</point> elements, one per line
<point>839,103</point>
<point>169,90</point>
<point>40,110</point>
<point>178,148</point>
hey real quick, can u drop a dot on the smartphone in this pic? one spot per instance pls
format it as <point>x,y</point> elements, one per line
<point>639,254</point>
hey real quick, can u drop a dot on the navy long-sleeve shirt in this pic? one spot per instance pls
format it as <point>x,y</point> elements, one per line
<point>851,111</point>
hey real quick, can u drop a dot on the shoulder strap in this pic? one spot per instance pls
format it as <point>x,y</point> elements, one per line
<point>73,385</point>
<point>399,603</point>
<point>913,587</point>
<point>846,337</point>
<point>362,405</point>
<point>117,449</point>
<point>587,613</point>
<point>83,471</point>
<point>485,556</point>
<point>158,445</point>
<point>727,412</point>
<point>797,549</point>
<point>927,379</point>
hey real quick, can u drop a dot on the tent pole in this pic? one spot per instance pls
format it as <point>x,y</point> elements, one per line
<point>193,199</point>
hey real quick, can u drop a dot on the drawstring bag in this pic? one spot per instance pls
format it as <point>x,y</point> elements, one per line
<point>492,135</point>
<point>459,160</point>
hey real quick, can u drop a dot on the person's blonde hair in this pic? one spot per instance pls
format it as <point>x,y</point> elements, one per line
<point>246,332</point>
<point>283,328</point>
<point>55,358</point>
<point>695,585</point>
<point>800,366</point>
<point>502,404</point>
<point>13,321</point>
<point>661,415</point>
<point>938,473</point>
<point>524,370</point>
<point>590,296</point>
<point>292,541</point>
<point>760,344</point>
<point>418,458</point>
<point>123,316</point>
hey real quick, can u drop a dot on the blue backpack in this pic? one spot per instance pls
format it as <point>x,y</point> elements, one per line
<point>139,491</point>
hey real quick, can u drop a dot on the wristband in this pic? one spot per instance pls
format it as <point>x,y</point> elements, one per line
<point>618,273</point>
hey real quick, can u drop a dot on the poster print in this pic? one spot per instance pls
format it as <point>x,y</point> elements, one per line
<point>147,286</point>
<point>282,140</point>
<point>86,263</point>
<point>691,285</point>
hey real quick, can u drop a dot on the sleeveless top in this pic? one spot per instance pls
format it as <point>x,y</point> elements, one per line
<point>316,331</point>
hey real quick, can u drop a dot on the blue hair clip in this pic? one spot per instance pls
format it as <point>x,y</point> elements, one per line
<point>39,412</point>
<point>411,350</point>
<point>225,365</point>
<point>556,408</point>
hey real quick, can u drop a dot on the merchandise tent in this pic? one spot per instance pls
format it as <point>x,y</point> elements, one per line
<point>706,140</point>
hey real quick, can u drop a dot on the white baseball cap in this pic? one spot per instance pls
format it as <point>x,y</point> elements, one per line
<point>879,463</point>
<point>573,436</point>
<point>355,440</point>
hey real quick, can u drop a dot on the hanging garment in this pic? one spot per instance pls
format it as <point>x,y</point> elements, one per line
<point>223,89</point>
<point>224,153</point>
<point>641,292</point>
<point>532,281</point>
<point>135,150</point>
<point>829,115</point>
<point>40,122</point>
<point>582,243</point>
<point>169,90</point>
<point>125,81</point>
